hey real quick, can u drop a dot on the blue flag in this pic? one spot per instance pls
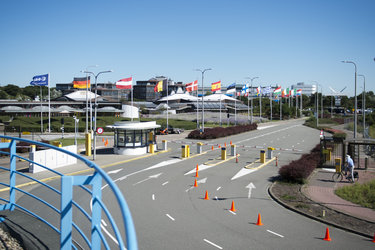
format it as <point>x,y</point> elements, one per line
<point>41,80</point>
<point>231,88</point>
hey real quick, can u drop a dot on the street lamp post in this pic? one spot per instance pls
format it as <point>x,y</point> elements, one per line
<point>355,97</point>
<point>364,105</point>
<point>251,80</point>
<point>87,115</point>
<point>317,104</point>
<point>95,105</point>
<point>202,71</point>
<point>76,120</point>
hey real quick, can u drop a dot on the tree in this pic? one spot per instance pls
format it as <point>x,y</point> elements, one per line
<point>12,90</point>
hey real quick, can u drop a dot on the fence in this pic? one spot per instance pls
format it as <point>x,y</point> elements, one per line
<point>70,218</point>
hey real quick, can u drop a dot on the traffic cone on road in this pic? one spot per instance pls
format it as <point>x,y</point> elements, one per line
<point>206,196</point>
<point>327,238</point>
<point>196,172</point>
<point>230,142</point>
<point>373,240</point>
<point>233,209</point>
<point>225,144</point>
<point>195,183</point>
<point>212,148</point>
<point>321,133</point>
<point>259,222</point>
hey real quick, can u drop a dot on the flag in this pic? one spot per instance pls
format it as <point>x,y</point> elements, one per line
<point>159,87</point>
<point>41,80</point>
<point>192,86</point>
<point>245,89</point>
<point>287,92</point>
<point>125,83</point>
<point>259,90</point>
<point>231,88</point>
<point>283,93</point>
<point>277,91</point>
<point>80,82</point>
<point>238,93</point>
<point>267,90</point>
<point>299,92</point>
<point>216,86</point>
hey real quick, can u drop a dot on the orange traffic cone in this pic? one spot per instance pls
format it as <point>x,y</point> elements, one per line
<point>225,144</point>
<point>259,222</point>
<point>373,240</point>
<point>219,146</point>
<point>230,142</point>
<point>327,238</point>
<point>102,139</point>
<point>233,209</point>
<point>106,141</point>
<point>196,171</point>
<point>212,148</point>
<point>195,183</point>
<point>206,196</point>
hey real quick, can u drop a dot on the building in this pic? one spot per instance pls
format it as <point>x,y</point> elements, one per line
<point>307,89</point>
<point>144,90</point>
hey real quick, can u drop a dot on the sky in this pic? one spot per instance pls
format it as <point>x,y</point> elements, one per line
<point>281,42</point>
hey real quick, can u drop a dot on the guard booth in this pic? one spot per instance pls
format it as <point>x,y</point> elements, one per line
<point>362,151</point>
<point>133,137</point>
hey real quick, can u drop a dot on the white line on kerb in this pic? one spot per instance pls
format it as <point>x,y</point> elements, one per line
<point>170,217</point>
<point>209,242</point>
<point>275,233</point>
<point>165,183</point>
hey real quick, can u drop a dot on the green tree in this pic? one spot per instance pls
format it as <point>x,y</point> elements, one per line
<point>12,90</point>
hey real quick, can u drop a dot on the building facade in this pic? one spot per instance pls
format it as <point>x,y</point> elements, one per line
<point>307,89</point>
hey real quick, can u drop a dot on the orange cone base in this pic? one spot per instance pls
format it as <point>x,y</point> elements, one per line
<point>327,238</point>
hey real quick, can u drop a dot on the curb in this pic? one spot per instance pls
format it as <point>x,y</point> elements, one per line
<point>313,217</point>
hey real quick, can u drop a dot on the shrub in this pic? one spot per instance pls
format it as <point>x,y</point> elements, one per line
<point>217,132</point>
<point>299,170</point>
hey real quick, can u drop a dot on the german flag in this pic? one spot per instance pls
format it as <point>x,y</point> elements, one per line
<point>80,82</point>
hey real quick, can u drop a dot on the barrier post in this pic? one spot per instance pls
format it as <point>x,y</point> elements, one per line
<point>232,150</point>
<point>187,151</point>
<point>199,148</point>
<point>151,148</point>
<point>338,165</point>
<point>88,144</point>
<point>262,156</point>
<point>223,153</point>
<point>164,145</point>
<point>270,152</point>
<point>183,151</point>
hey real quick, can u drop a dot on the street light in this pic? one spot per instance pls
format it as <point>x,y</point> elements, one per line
<point>76,120</point>
<point>87,115</point>
<point>364,105</point>
<point>251,79</point>
<point>317,104</point>
<point>355,96</point>
<point>95,105</point>
<point>202,71</point>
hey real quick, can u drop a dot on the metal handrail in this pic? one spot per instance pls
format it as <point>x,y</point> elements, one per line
<point>95,180</point>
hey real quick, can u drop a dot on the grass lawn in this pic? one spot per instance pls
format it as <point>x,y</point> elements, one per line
<point>362,194</point>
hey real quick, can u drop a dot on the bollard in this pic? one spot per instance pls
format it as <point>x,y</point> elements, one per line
<point>262,156</point>
<point>233,150</point>
<point>236,158</point>
<point>199,148</point>
<point>223,153</point>
<point>88,144</point>
<point>338,165</point>
<point>164,145</point>
<point>183,151</point>
<point>187,151</point>
<point>151,148</point>
<point>270,152</point>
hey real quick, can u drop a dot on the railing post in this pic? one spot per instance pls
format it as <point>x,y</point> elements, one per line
<point>12,179</point>
<point>66,212</point>
<point>96,210</point>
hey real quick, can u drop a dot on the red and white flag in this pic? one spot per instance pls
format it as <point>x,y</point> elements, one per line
<point>192,86</point>
<point>125,83</point>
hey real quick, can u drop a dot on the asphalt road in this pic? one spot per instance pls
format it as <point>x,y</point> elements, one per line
<point>170,213</point>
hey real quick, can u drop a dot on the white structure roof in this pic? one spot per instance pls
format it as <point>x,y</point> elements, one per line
<point>176,97</point>
<point>128,125</point>
<point>217,97</point>
<point>80,95</point>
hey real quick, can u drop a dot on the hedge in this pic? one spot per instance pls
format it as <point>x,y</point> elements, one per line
<point>217,132</point>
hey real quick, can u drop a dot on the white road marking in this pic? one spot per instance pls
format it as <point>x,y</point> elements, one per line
<point>242,172</point>
<point>114,171</point>
<point>153,197</point>
<point>270,133</point>
<point>275,233</point>
<point>149,178</point>
<point>213,244</point>
<point>264,127</point>
<point>218,188</point>
<point>232,212</point>
<point>216,198</point>
<point>170,217</point>
<point>200,167</point>
<point>165,183</point>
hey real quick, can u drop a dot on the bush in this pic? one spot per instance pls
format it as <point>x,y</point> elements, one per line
<point>298,171</point>
<point>217,132</point>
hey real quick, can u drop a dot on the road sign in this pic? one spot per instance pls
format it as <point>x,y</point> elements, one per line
<point>99,130</point>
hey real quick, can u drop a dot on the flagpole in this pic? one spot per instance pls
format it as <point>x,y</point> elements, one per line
<point>167,105</point>
<point>271,104</point>
<point>235,110</point>
<point>281,106</point>
<point>220,108</point>
<point>260,103</point>
<point>197,106</point>
<point>49,106</point>
<point>41,110</point>
<point>132,99</point>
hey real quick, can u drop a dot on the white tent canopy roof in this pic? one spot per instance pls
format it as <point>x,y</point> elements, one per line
<point>80,95</point>
<point>176,97</point>
<point>217,97</point>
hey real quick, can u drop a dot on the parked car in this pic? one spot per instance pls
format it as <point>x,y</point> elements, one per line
<point>170,130</point>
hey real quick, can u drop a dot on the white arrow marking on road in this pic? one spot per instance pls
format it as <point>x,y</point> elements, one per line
<point>200,167</point>
<point>250,187</point>
<point>242,172</point>
<point>170,217</point>
<point>149,178</point>
<point>275,233</point>
<point>114,171</point>
<point>202,180</point>
<point>213,244</point>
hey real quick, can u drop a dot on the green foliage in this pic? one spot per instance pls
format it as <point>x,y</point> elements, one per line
<point>362,194</point>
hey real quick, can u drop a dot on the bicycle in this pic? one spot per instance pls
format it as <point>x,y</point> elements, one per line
<point>338,176</point>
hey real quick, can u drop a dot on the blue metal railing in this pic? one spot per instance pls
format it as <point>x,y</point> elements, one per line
<point>96,238</point>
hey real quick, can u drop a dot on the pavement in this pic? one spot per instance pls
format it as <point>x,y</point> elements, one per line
<point>320,189</point>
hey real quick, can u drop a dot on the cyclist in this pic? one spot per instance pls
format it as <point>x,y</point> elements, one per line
<point>349,167</point>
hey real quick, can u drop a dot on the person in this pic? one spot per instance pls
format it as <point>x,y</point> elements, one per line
<point>350,166</point>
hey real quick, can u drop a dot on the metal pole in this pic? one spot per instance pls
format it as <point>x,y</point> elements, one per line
<point>167,106</point>
<point>41,111</point>
<point>355,97</point>
<point>202,71</point>
<point>364,105</point>
<point>251,80</point>
<point>49,106</point>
